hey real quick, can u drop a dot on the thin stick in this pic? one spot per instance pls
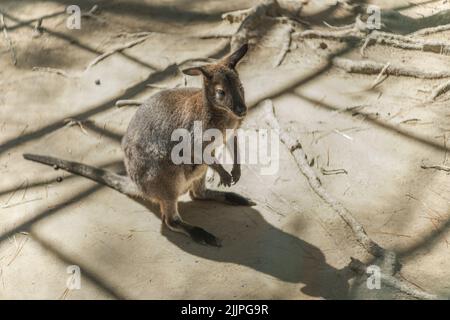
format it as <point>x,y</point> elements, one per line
<point>19,249</point>
<point>19,203</point>
<point>70,122</point>
<point>14,192</point>
<point>373,67</point>
<point>92,11</point>
<point>113,51</point>
<point>346,136</point>
<point>236,16</point>
<point>123,103</point>
<point>436,167</point>
<point>348,26</point>
<point>328,172</point>
<point>364,46</point>
<point>394,234</point>
<point>378,79</point>
<point>427,31</point>
<point>8,39</point>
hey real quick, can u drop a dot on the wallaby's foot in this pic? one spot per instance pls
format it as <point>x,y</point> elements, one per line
<point>173,221</point>
<point>221,196</point>
<point>225,178</point>
<point>238,200</point>
<point>204,237</point>
<point>197,234</point>
<point>236,174</point>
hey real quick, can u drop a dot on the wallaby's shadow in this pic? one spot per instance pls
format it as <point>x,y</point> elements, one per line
<point>249,240</point>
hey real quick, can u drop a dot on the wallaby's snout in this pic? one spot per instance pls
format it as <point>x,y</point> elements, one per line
<point>240,110</point>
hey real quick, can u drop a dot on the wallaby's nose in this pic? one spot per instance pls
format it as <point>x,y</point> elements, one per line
<point>240,111</point>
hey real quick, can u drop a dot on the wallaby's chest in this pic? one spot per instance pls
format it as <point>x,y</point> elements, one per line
<point>223,123</point>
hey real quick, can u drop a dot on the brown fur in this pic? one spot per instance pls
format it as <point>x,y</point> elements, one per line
<point>147,143</point>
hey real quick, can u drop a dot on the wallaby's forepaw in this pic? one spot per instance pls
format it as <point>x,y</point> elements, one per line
<point>225,179</point>
<point>202,236</point>
<point>236,174</point>
<point>238,200</point>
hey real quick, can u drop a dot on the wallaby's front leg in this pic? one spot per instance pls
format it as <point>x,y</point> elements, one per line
<point>225,177</point>
<point>200,192</point>
<point>172,219</point>
<point>236,171</point>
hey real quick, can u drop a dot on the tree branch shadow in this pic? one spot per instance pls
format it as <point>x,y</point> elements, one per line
<point>87,273</point>
<point>129,93</point>
<point>404,133</point>
<point>267,249</point>
<point>74,41</point>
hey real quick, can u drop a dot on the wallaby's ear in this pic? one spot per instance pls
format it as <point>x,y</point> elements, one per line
<point>196,71</point>
<point>232,60</point>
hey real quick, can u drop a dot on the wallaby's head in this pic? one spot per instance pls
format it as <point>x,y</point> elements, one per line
<point>221,83</point>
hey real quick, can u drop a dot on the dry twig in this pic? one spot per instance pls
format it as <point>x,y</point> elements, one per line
<point>378,79</point>
<point>70,122</point>
<point>52,70</point>
<point>251,18</point>
<point>123,103</point>
<point>436,167</point>
<point>379,37</point>
<point>373,67</point>
<point>440,90</point>
<point>329,172</point>
<point>18,250</point>
<point>286,36</point>
<point>113,51</point>
<point>8,39</point>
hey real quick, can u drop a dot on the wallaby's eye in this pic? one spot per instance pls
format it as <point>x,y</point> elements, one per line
<point>220,94</point>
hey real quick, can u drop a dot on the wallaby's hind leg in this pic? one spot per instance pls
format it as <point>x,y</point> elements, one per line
<point>172,219</point>
<point>199,191</point>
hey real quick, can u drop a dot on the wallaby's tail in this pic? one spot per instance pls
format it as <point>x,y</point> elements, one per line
<point>120,183</point>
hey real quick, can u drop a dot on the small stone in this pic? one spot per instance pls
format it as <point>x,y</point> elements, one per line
<point>323,45</point>
<point>97,82</point>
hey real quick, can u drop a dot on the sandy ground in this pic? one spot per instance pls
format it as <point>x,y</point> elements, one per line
<point>291,245</point>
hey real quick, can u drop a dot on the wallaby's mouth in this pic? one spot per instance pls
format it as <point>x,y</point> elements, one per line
<point>240,114</point>
<point>240,111</point>
<point>236,114</point>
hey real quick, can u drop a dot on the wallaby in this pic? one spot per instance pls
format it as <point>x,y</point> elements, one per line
<point>147,145</point>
